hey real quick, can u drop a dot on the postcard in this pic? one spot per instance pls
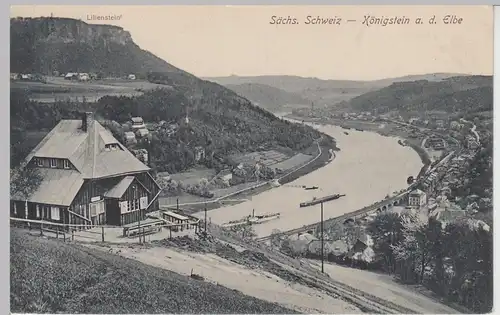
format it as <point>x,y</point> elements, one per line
<point>251,159</point>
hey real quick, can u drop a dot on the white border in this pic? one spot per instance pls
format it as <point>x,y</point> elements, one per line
<point>5,157</point>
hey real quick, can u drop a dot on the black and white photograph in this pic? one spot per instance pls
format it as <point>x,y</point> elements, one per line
<point>251,159</point>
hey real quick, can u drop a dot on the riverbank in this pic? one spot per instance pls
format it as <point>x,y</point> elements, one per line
<point>325,154</point>
<point>383,128</point>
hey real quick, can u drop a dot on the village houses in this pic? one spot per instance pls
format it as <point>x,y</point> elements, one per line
<point>129,138</point>
<point>137,123</point>
<point>88,178</point>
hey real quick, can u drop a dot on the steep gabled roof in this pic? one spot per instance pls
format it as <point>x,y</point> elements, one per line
<point>137,120</point>
<point>87,150</point>
<point>119,189</point>
<point>416,192</point>
<point>58,187</point>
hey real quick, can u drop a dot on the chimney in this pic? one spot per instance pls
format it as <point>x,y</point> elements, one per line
<point>87,120</point>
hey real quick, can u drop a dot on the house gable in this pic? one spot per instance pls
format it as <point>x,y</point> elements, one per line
<point>72,153</point>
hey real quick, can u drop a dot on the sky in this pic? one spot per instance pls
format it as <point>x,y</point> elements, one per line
<point>210,41</point>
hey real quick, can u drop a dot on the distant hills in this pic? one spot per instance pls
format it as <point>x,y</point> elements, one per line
<point>268,97</point>
<point>309,90</point>
<point>455,94</point>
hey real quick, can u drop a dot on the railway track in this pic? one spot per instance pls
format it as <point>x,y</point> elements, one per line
<point>360,212</point>
<point>345,216</point>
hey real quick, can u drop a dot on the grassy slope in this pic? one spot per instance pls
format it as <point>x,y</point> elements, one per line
<point>48,276</point>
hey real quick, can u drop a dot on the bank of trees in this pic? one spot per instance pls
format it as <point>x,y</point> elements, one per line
<point>219,121</point>
<point>478,179</point>
<point>454,261</point>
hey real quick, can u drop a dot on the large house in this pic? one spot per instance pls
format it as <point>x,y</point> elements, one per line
<point>417,198</point>
<point>137,123</point>
<point>88,178</point>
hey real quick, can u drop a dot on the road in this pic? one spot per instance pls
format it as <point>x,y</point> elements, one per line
<point>473,129</point>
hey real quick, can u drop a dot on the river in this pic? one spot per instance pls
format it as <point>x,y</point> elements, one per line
<point>368,167</point>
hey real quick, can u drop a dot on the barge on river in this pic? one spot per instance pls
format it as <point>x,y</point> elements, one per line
<point>311,188</point>
<point>315,201</point>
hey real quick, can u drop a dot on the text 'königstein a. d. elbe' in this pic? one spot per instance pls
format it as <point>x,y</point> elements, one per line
<point>367,20</point>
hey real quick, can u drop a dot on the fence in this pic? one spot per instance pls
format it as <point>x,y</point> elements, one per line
<point>152,229</point>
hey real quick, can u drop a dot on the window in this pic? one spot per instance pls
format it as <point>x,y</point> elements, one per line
<point>53,163</point>
<point>66,164</point>
<point>55,213</point>
<point>143,202</point>
<point>37,211</point>
<point>128,206</point>
<point>96,208</point>
<point>112,147</point>
<point>136,204</point>
<point>123,207</point>
<point>38,161</point>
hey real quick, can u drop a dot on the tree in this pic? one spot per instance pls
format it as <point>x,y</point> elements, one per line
<point>413,252</point>
<point>347,232</point>
<point>276,238</point>
<point>24,181</point>
<point>470,252</point>
<point>386,230</point>
<point>286,247</point>
<point>244,231</point>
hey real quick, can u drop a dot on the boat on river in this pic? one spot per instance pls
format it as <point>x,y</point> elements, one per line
<point>253,219</point>
<point>311,188</point>
<point>315,201</point>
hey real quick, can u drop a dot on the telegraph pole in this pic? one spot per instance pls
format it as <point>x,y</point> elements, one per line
<point>322,241</point>
<point>205,217</point>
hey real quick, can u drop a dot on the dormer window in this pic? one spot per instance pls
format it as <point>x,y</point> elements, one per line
<point>112,147</point>
<point>38,162</point>
<point>66,164</point>
<point>53,163</point>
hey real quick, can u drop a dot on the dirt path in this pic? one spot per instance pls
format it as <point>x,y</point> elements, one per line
<point>384,287</point>
<point>354,285</point>
<point>261,272</point>
<point>253,282</point>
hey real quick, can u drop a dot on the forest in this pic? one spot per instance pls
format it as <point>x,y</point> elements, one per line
<point>452,95</point>
<point>455,260</point>
<point>219,121</point>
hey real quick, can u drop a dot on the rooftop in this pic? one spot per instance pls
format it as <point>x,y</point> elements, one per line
<point>59,187</point>
<point>417,192</point>
<point>86,150</point>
